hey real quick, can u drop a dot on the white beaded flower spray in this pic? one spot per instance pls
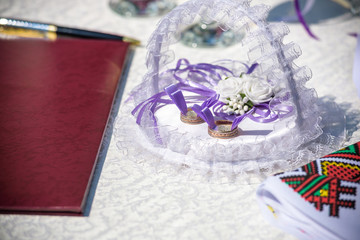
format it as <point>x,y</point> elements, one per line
<point>238,104</point>
<point>240,94</point>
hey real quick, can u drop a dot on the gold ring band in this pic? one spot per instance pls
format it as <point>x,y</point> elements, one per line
<point>191,117</point>
<point>223,130</point>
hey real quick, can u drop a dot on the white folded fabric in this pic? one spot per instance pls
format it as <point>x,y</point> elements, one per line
<point>317,201</point>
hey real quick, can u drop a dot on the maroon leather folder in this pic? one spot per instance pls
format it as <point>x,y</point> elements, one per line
<point>55,100</point>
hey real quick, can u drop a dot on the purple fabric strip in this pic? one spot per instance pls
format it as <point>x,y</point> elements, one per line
<point>183,65</point>
<point>201,90</point>
<point>265,115</point>
<point>210,101</point>
<point>262,113</point>
<point>205,114</point>
<point>171,89</point>
<point>151,104</point>
<point>281,110</point>
<point>179,100</point>
<point>207,73</point>
<point>302,20</point>
<point>201,68</point>
<point>252,68</point>
<point>308,6</point>
<point>217,107</point>
<point>356,66</point>
<point>177,97</point>
<point>209,118</point>
<point>238,119</point>
<point>196,108</point>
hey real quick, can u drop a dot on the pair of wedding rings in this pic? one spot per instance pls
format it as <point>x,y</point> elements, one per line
<point>222,129</point>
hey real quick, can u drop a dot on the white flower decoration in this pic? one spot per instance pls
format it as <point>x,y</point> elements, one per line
<point>229,87</point>
<point>257,91</point>
<point>240,94</point>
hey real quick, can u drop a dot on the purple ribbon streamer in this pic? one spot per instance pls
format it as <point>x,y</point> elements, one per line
<point>175,93</point>
<point>210,101</point>
<point>302,20</point>
<point>308,6</point>
<point>205,114</point>
<point>202,69</point>
<point>267,112</point>
<point>238,119</point>
<point>183,65</point>
<point>151,103</point>
<point>281,110</point>
<point>251,68</point>
<point>356,66</point>
<point>264,112</point>
<point>177,97</point>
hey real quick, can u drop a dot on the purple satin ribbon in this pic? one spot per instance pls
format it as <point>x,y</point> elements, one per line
<point>203,72</point>
<point>211,101</point>
<point>205,114</point>
<point>302,19</point>
<point>153,104</point>
<point>251,68</point>
<point>262,110</point>
<point>211,74</point>
<point>308,6</point>
<point>265,115</point>
<point>177,97</point>
<point>157,101</point>
<point>261,113</point>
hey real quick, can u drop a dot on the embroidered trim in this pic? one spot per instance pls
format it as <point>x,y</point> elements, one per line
<point>324,181</point>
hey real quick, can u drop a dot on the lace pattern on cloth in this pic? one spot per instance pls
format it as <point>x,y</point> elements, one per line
<point>293,141</point>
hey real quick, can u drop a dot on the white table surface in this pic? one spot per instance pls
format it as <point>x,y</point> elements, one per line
<point>133,201</point>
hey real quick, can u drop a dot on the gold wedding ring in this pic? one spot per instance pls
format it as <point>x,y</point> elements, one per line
<point>191,117</point>
<point>223,130</point>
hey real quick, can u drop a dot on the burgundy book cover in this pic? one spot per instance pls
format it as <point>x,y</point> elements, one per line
<point>55,100</point>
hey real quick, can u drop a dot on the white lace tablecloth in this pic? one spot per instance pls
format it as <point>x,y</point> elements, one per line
<point>135,201</point>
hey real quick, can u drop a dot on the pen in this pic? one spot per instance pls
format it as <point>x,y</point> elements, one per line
<point>42,30</point>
